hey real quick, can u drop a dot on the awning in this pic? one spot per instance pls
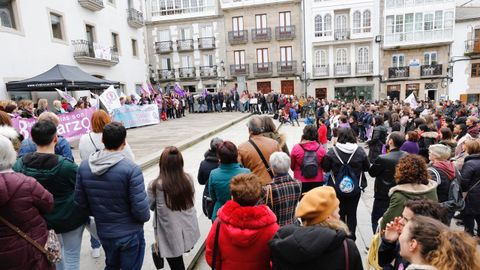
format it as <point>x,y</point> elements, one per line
<point>61,76</point>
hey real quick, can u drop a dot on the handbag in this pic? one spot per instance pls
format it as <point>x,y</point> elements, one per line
<point>268,195</point>
<point>156,256</point>
<point>215,246</point>
<point>52,246</point>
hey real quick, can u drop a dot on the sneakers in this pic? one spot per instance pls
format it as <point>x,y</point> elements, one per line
<point>95,252</point>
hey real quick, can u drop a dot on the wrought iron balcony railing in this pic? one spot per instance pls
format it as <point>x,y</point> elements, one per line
<point>166,74</point>
<point>239,70</point>
<point>185,45</point>
<point>135,18</point>
<point>431,70</point>
<point>86,52</point>
<point>398,72</point>
<point>208,72</point>
<point>262,69</point>
<point>164,47</point>
<point>287,67</point>
<point>261,34</point>
<point>238,37</point>
<point>342,69</point>
<point>206,43</point>
<point>286,32</point>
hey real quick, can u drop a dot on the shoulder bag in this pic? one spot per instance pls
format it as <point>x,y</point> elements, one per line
<point>268,195</point>
<point>52,246</point>
<point>269,170</point>
<point>215,246</point>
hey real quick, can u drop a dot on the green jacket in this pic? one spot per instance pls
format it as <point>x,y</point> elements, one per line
<point>399,194</point>
<point>57,175</point>
<point>219,184</point>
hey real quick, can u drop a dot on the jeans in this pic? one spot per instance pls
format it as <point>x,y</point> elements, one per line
<point>469,222</point>
<point>380,206</point>
<point>125,252</point>
<point>71,243</point>
<point>270,107</point>
<point>348,213</point>
<point>201,108</point>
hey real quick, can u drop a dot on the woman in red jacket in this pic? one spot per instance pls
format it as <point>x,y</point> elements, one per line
<point>22,201</point>
<point>245,228</point>
<point>322,133</point>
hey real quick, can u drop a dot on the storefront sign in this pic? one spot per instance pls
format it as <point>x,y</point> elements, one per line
<point>136,116</point>
<point>72,125</point>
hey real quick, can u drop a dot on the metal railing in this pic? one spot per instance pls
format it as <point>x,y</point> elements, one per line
<point>93,5</point>
<point>166,74</point>
<point>187,73</point>
<point>342,34</point>
<point>164,47</point>
<point>206,43</point>
<point>285,32</point>
<point>262,69</point>
<point>398,72</point>
<point>184,45</point>
<point>135,17</point>
<point>238,37</point>
<point>208,72</point>
<point>342,69</point>
<point>85,48</point>
<point>239,70</point>
<point>321,70</point>
<point>286,67</point>
<point>431,70</point>
<point>261,34</point>
<point>364,68</point>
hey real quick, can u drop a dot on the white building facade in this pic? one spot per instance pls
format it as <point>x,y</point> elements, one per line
<point>417,35</point>
<point>186,43</point>
<point>465,56</point>
<point>37,35</point>
<point>341,55</point>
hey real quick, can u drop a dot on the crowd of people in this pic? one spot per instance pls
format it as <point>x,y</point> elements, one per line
<point>270,207</point>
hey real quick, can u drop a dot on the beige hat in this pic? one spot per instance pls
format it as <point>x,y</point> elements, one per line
<point>317,205</point>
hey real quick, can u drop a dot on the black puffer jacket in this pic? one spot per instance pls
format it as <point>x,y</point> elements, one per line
<point>313,247</point>
<point>383,169</point>
<point>379,137</point>
<point>206,166</point>
<point>470,175</point>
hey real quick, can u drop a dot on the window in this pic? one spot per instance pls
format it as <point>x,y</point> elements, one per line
<point>366,21</point>
<point>438,19</point>
<point>328,25</point>
<point>321,58</point>
<point>57,27</point>
<point>476,70</point>
<point>261,21</point>
<point>428,22</point>
<point>390,24</point>
<point>164,35</point>
<point>186,61</point>
<point>399,24</point>
<point>173,7</point>
<point>262,57</point>
<point>115,42</point>
<point>284,19</point>
<point>430,58</point>
<point>448,20</point>
<point>208,60</point>
<point>318,26</point>
<point>398,60</point>
<point>206,31</point>
<point>134,47</point>
<point>239,58</point>
<point>341,23</point>
<point>167,63</point>
<point>237,25</point>
<point>409,26</point>
<point>362,55</point>
<point>357,21</point>
<point>90,32</point>
<point>286,55</point>
<point>186,33</point>
<point>7,14</point>
<point>390,3</point>
<point>341,58</point>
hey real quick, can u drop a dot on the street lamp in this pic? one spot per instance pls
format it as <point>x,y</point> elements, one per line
<point>304,77</point>
<point>222,80</point>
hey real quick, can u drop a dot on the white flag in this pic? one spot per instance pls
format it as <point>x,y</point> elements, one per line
<point>67,97</point>
<point>110,99</point>
<point>412,101</point>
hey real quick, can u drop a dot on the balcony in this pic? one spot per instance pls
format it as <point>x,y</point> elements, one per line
<point>287,67</point>
<point>342,34</point>
<point>342,69</point>
<point>187,73</point>
<point>135,18</point>
<point>472,46</point>
<point>238,37</point>
<point>185,45</point>
<point>320,70</point>
<point>206,43</point>
<point>262,69</point>
<point>364,68</point>
<point>239,70</point>
<point>261,34</point>
<point>208,72</point>
<point>86,52</point>
<point>166,75</point>
<point>285,32</point>
<point>93,5</point>
<point>398,72</point>
<point>430,70</point>
<point>164,47</point>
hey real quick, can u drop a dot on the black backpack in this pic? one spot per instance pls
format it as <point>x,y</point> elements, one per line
<point>309,166</point>
<point>346,183</point>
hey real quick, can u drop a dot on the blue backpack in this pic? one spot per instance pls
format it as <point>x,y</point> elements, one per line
<point>346,183</point>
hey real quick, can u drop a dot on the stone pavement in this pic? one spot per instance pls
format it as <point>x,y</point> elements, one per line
<point>193,155</point>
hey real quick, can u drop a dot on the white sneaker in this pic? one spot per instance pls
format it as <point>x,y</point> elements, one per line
<point>95,252</point>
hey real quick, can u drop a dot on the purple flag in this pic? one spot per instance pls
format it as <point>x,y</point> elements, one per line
<point>205,92</point>
<point>179,91</point>
<point>150,88</point>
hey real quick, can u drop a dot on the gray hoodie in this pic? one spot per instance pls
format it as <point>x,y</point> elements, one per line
<point>101,161</point>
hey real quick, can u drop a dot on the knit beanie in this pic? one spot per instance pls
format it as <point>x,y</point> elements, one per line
<point>317,205</point>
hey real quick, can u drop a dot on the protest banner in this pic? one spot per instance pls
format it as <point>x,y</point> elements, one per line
<point>110,99</point>
<point>72,125</point>
<point>67,97</point>
<point>412,101</point>
<point>136,116</point>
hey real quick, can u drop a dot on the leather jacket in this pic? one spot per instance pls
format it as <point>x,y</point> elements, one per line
<point>383,168</point>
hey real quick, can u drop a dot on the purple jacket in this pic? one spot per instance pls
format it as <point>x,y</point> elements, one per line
<point>410,147</point>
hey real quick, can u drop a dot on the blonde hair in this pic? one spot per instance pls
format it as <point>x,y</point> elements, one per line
<point>457,250</point>
<point>42,103</point>
<point>440,151</point>
<point>335,224</point>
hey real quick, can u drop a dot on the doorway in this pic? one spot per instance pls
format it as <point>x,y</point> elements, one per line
<point>287,87</point>
<point>264,87</point>
<point>321,93</point>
